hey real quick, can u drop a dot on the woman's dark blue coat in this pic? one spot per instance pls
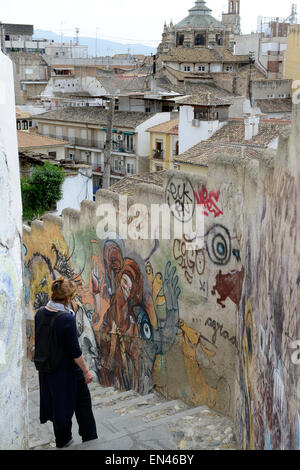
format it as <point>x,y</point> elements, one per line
<point>58,390</point>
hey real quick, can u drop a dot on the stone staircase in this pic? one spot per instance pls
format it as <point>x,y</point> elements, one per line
<point>129,421</point>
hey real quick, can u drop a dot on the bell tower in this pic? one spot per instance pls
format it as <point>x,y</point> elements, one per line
<point>232,18</point>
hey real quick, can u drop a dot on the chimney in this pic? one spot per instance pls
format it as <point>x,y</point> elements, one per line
<point>256,120</point>
<point>248,128</point>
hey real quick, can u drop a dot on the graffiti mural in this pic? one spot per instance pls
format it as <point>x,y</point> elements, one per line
<point>229,285</point>
<point>209,200</point>
<point>126,313</point>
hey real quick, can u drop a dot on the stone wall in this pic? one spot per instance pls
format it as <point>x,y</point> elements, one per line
<point>212,325</point>
<point>13,396</point>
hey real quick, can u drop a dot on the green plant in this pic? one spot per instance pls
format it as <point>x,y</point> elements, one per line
<point>42,190</point>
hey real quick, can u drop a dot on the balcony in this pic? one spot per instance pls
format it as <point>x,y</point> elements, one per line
<point>89,143</point>
<point>158,154</point>
<point>120,147</point>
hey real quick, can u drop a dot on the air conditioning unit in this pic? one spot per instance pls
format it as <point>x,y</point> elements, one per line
<point>196,123</point>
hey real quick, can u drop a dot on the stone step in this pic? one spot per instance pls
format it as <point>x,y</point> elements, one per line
<point>113,399</point>
<point>129,421</point>
<point>156,411</point>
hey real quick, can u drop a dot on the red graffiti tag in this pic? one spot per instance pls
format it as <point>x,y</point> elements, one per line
<point>209,200</point>
<point>229,285</point>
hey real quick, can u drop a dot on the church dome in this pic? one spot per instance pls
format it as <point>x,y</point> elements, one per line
<point>200,17</point>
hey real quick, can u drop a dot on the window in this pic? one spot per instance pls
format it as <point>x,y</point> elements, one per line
<point>201,68</point>
<point>180,39</point>
<point>200,40</point>
<point>71,156</point>
<point>117,166</point>
<point>228,68</point>
<point>187,68</point>
<point>130,168</point>
<point>52,154</point>
<point>219,40</point>
<point>128,139</point>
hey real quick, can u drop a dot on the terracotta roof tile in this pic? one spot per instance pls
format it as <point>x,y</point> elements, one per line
<point>95,115</point>
<point>202,55</point>
<point>127,185</point>
<point>169,127</point>
<point>203,99</point>
<point>280,105</point>
<point>28,140</point>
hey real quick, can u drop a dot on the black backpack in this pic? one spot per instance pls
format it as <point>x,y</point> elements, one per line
<point>48,354</point>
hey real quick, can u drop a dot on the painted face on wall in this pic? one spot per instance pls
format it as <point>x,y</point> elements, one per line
<point>126,286</point>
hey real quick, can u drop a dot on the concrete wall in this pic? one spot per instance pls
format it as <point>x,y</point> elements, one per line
<point>261,89</point>
<point>214,325</point>
<point>13,395</point>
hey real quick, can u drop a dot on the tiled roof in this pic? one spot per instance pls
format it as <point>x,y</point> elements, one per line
<point>127,185</point>
<point>230,140</point>
<point>202,55</point>
<point>169,127</point>
<point>275,105</point>
<point>95,115</point>
<point>203,99</point>
<point>199,17</point>
<point>202,153</point>
<point>234,132</point>
<point>22,114</point>
<point>28,140</point>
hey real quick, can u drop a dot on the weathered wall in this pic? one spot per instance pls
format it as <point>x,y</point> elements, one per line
<point>269,322</point>
<point>262,89</point>
<point>211,326</point>
<point>13,396</point>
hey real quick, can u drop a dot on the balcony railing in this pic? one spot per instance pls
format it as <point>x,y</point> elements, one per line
<point>122,148</point>
<point>90,143</point>
<point>158,154</point>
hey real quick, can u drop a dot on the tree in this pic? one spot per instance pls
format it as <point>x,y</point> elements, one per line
<point>42,191</point>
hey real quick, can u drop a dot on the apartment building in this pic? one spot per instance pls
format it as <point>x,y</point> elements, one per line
<point>85,129</point>
<point>164,145</point>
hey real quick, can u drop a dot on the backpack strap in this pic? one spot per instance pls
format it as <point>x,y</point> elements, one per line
<point>55,316</point>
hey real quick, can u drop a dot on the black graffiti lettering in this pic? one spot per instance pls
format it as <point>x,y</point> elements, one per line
<point>218,327</point>
<point>181,199</point>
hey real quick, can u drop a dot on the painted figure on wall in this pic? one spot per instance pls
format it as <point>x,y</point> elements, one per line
<point>131,334</point>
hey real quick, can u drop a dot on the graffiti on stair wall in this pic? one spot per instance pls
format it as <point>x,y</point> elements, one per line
<point>126,313</point>
<point>269,381</point>
<point>132,311</point>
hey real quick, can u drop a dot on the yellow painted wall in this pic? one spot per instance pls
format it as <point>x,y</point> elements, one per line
<point>293,54</point>
<point>165,138</point>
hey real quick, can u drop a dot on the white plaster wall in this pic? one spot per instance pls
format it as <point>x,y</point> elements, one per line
<point>76,189</point>
<point>143,141</point>
<point>190,135</point>
<point>13,393</point>
<point>73,85</point>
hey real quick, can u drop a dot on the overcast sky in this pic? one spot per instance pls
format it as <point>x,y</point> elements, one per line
<point>127,20</point>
